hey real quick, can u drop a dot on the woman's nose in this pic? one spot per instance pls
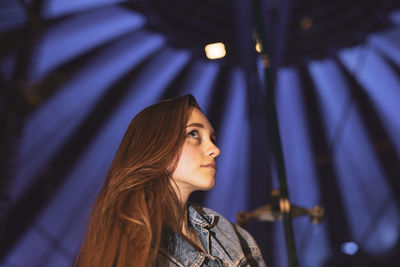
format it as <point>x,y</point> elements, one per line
<point>214,151</point>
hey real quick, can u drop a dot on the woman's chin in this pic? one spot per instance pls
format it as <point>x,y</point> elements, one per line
<point>208,186</point>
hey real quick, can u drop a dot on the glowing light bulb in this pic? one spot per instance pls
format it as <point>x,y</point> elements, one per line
<point>258,47</point>
<point>215,51</point>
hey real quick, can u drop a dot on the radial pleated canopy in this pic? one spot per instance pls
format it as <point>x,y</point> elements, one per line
<point>74,73</point>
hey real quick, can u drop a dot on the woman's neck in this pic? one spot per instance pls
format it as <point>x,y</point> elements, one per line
<point>183,196</point>
<point>185,224</point>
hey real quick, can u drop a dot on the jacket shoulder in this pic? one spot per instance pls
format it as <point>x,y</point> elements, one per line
<point>236,233</point>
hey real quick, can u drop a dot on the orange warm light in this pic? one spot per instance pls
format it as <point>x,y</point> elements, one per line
<point>306,23</point>
<point>215,51</point>
<point>259,47</point>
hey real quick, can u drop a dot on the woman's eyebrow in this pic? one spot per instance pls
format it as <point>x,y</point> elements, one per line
<point>196,124</point>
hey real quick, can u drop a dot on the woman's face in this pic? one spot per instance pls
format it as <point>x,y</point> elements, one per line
<point>196,167</point>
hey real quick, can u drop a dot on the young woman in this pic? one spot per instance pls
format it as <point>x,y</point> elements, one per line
<point>141,216</point>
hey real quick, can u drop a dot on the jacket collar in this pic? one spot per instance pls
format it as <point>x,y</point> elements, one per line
<point>176,248</point>
<point>198,217</point>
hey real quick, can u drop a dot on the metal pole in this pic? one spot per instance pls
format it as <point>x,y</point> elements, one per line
<point>274,133</point>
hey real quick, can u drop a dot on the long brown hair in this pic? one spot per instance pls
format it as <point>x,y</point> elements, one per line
<point>137,197</point>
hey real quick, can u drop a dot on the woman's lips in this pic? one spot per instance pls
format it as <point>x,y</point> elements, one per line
<point>210,165</point>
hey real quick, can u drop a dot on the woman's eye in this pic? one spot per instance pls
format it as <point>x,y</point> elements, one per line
<point>194,134</point>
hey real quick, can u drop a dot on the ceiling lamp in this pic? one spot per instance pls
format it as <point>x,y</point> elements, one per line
<point>215,51</point>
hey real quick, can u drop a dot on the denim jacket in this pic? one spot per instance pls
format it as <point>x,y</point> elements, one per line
<point>225,244</point>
